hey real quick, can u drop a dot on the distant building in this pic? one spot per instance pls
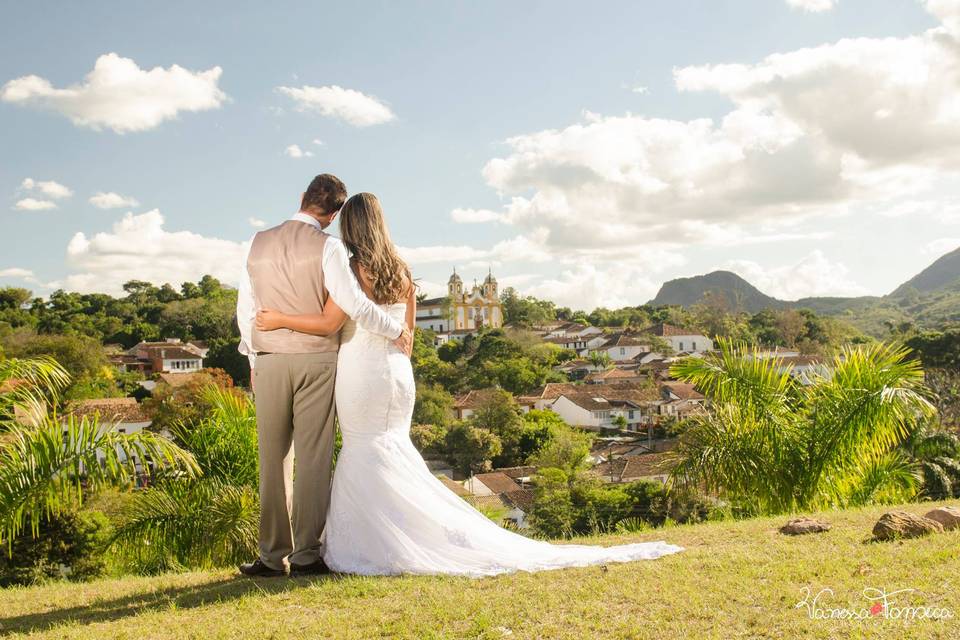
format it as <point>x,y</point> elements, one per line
<point>467,404</point>
<point>620,347</point>
<point>682,340</point>
<point>461,312</point>
<point>169,356</point>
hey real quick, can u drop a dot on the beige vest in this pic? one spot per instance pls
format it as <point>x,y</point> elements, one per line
<point>286,269</point>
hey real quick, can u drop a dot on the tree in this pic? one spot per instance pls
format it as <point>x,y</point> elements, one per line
<point>434,405</point>
<point>777,445</point>
<point>470,449</point>
<point>600,359</point>
<point>568,452</point>
<point>540,426</point>
<point>498,413</point>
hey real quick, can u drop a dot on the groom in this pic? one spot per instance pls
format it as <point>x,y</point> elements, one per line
<point>292,267</point>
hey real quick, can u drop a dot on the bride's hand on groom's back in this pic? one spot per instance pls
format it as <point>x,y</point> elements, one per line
<point>268,320</point>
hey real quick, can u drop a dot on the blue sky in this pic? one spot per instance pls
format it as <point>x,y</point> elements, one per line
<point>586,153</point>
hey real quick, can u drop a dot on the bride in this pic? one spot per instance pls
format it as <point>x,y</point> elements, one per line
<point>388,513</point>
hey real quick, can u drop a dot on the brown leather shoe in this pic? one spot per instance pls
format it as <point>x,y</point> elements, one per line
<point>317,568</point>
<point>257,569</point>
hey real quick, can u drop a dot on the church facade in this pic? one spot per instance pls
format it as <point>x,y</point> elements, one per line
<point>462,310</point>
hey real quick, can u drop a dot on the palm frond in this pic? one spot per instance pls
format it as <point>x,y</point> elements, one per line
<point>45,469</point>
<point>29,388</point>
<point>224,443</point>
<point>731,451</point>
<point>889,479</point>
<point>740,375</point>
<point>189,523</point>
<point>865,408</point>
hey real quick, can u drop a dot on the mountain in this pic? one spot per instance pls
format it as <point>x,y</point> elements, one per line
<point>738,293</point>
<point>931,299</point>
<point>939,275</point>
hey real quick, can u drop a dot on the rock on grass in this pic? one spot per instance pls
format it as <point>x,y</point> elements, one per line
<point>800,526</point>
<point>949,517</point>
<point>900,524</point>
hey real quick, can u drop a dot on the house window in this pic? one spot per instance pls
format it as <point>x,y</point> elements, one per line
<point>622,351</point>
<point>681,345</point>
<point>630,414</point>
<point>694,345</point>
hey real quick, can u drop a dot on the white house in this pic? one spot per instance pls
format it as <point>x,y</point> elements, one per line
<point>593,411</point>
<point>620,347</point>
<point>681,340</point>
<point>573,330</point>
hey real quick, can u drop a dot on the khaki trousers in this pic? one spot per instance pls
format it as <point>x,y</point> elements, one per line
<point>295,418</point>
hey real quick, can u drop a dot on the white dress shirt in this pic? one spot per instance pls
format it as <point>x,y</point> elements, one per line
<point>340,283</point>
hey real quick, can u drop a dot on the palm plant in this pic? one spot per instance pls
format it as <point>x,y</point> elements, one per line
<point>773,444</point>
<point>200,522</point>
<point>46,466</point>
<point>937,452</point>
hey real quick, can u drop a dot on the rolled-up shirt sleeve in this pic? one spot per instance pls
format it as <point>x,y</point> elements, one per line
<point>246,310</point>
<point>346,292</point>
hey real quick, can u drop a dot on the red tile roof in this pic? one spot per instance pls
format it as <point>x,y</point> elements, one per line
<point>109,410</point>
<point>497,482</point>
<point>664,330</point>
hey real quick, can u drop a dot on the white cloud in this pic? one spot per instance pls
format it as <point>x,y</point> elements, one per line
<point>256,223</point>
<point>111,200</point>
<point>813,275</point>
<point>941,246</point>
<point>48,188</point>
<point>140,248</point>
<point>352,107</point>
<point>863,127</point>
<point>471,216</point>
<point>588,286</point>
<point>449,254</point>
<point>294,151</point>
<point>16,272</point>
<point>318,142</point>
<point>117,94</point>
<point>813,6</point>
<point>32,204</point>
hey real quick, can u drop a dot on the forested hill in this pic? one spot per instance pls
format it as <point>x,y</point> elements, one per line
<point>929,300</point>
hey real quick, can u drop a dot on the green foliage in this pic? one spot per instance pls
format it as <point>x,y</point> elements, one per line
<point>28,388</point>
<point>189,525</point>
<point>937,349</point>
<point>434,405</point>
<point>470,449</point>
<point>44,470</point>
<point>224,440</point>
<point>525,311</point>
<point>498,413</point>
<point>567,452</point>
<point>71,326</point>
<point>205,521</point>
<point>188,403</point>
<point>429,438</point>
<point>777,445</point>
<point>70,545</point>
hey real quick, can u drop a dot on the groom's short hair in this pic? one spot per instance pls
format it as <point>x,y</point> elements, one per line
<point>326,192</point>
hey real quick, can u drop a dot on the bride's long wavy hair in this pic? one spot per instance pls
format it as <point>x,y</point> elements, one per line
<point>364,232</point>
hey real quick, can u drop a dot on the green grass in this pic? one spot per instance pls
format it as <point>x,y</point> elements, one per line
<point>734,580</point>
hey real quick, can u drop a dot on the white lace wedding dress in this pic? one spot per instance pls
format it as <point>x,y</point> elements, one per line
<point>390,515</point>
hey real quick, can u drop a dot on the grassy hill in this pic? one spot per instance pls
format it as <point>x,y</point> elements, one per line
<point>734,580</point>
